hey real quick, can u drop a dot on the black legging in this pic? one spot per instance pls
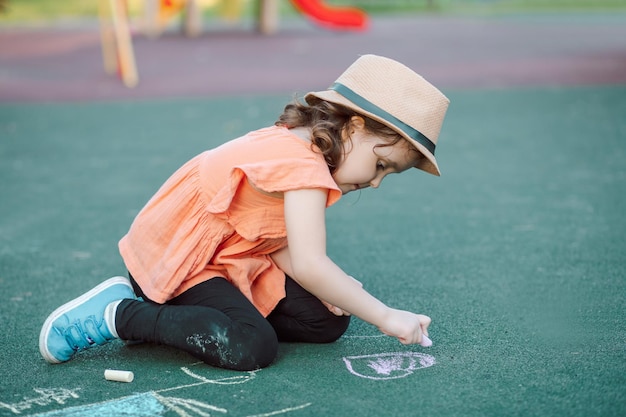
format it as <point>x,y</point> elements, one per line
<point>217,324</point>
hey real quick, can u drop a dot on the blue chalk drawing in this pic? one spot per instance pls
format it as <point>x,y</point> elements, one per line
<point>139,405</point>
<point>151,404</point>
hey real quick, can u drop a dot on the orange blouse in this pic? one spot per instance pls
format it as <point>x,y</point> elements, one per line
<point>210,219</point>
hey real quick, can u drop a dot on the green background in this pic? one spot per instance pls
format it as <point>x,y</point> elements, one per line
<point>517,253</point>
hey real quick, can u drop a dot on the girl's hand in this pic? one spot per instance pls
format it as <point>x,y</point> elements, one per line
<point>335,310</point>
<point>407,327</point>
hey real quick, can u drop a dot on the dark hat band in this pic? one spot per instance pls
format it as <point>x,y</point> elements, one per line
<point>374,109</point>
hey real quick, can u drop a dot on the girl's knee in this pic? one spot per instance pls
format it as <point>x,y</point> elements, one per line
<point>259,353</point>
<point>333,328</point>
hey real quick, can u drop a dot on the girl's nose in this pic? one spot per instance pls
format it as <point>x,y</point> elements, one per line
<point>375,182</point>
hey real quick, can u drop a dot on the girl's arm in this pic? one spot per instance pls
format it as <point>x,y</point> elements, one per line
<point>317,273</point>
<point>282,260</point>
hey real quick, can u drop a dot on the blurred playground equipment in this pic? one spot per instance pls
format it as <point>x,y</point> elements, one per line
<point>115,36</point>
<point>158,14</point>
<point>332,17</point>
<point>117,48</point>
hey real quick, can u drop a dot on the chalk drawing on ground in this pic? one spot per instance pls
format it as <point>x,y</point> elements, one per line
<point>152,404</point>
<point>380,366</point>
<point>138,405</point>
<point>46,396</point>
<point>147,404</point>
<point>387,365</point>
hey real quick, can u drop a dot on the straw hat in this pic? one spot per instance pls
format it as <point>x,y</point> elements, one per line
<point>391,93</point>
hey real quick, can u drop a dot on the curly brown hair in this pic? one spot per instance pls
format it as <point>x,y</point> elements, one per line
<point>330,123</point>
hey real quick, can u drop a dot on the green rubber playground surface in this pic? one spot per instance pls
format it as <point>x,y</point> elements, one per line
<point>518,253</point>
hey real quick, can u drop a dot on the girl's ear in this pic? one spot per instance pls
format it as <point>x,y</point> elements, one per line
<point>357,123</point>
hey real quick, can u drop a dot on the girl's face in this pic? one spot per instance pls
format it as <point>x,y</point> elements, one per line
<point>367,161</point>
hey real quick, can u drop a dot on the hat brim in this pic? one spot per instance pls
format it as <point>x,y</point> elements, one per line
<point>427,164</point>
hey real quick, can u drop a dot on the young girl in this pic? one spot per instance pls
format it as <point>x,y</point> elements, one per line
<point>229,256</point>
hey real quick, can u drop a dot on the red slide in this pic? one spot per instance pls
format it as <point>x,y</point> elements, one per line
<point>332,17</point>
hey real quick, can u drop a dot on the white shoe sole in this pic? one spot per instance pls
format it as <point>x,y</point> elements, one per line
<point>47,325</point>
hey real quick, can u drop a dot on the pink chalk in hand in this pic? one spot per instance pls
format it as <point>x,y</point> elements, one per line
<point>426,342</point>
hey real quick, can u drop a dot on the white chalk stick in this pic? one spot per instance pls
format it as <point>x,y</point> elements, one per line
<point>426,342</point>
<point>119,376</point>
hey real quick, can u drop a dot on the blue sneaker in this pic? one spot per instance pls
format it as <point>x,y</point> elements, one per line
<point>84,322</point>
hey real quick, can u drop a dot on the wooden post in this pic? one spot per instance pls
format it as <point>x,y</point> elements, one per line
<point>267,21</point>
<point>107,39</point>
<point>151,27</point>
<point>122,47</point>
<point>192,25</point>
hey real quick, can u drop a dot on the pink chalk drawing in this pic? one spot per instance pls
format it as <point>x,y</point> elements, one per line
<point>384,366</point>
